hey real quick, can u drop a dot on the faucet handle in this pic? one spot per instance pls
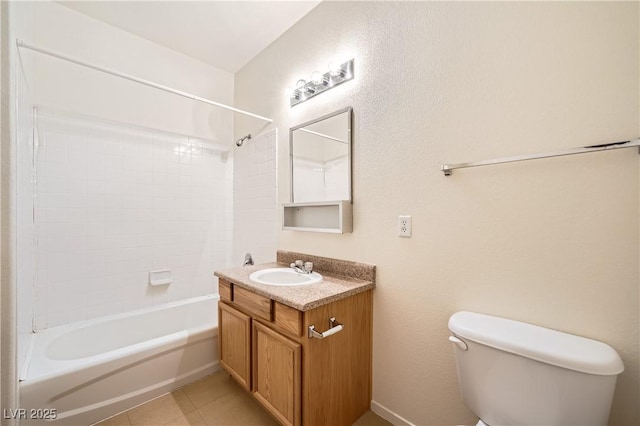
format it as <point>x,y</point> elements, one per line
<point>308,267</point>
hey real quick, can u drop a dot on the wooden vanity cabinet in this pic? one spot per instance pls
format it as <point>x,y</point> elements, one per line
<point>276,373</point>
<point>235,343</point>
<point>300,381</point>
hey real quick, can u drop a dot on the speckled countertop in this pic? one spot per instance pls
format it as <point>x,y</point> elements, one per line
<point>340,279</point>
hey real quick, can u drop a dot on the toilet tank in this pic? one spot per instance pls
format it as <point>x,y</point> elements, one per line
<point>513,373</point>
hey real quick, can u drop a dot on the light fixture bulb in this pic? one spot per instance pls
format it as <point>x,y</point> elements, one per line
<point>300,84</point>
<point>316,77</point>
<point>293,93</point>
<point>335,69</point>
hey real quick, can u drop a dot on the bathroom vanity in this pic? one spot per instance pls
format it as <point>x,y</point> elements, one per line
<point>271,340</point>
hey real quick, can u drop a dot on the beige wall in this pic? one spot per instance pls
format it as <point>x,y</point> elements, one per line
<point>553,242</point>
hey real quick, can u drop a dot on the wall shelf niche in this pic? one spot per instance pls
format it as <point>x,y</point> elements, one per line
<point>324,216</point>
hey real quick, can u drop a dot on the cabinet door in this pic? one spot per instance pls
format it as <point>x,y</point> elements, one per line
<point>276,374</point>
<point>234,340</point>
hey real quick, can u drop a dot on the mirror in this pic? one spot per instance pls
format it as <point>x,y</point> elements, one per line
<point>321,158</point>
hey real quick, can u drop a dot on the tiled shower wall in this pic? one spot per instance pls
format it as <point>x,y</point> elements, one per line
<point>25,242</point>
<point>115,202</point>
<point>255,199</point>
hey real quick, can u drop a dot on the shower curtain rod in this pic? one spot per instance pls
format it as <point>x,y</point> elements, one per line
<point>447,169</point>
<point>21,43</point>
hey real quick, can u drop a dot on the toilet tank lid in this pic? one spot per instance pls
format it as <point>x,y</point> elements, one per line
<point>538,343</point>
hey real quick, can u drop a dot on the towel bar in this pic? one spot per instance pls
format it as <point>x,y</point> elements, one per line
<point>334,327</point>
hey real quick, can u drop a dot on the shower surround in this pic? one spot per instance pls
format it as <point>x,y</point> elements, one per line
<point>114,202</point>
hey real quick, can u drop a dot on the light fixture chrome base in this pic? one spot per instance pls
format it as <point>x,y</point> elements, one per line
<point>330,79</point>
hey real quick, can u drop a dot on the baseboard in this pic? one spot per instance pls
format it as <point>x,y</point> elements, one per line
<point>389,415</point>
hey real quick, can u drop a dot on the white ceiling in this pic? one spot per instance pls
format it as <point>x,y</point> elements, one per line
<point>225,34</point>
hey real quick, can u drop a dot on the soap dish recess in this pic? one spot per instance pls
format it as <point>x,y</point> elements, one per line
<point>162,277</point>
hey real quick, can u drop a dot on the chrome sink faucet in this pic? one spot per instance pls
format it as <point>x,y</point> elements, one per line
<point>302,267</point>
<point>248,260</point>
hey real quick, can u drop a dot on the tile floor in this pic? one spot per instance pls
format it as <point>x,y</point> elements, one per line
<point>212,401</point>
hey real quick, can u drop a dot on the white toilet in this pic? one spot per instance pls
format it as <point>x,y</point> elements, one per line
<point>512,373</point>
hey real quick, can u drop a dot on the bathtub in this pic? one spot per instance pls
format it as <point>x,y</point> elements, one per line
<point>84,372</point>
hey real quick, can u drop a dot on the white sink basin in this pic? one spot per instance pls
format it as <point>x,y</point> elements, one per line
<point>284,277</point>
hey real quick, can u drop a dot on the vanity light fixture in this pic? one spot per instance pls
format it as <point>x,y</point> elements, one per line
<point>337,74</point>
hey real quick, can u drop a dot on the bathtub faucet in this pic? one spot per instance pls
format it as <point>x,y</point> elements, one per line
<point>248,260</point>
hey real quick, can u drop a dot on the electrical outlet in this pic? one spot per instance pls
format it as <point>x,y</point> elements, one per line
<point>404,226</point>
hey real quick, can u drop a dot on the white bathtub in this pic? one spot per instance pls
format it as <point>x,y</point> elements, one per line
<point>92,370</point>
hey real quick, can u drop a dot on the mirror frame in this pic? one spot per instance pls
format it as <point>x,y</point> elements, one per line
<point>349,111</point>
